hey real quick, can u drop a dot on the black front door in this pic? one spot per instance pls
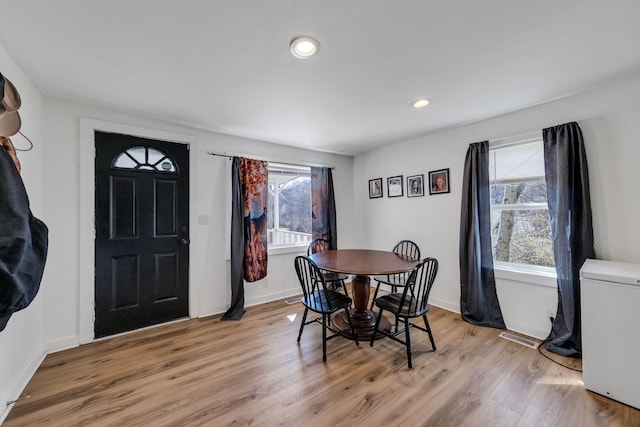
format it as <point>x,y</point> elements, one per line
<point>142,233</point>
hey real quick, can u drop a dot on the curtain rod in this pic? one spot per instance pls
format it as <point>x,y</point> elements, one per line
<point>211,153</point>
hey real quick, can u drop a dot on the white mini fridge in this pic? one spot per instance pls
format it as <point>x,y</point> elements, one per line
<point>610,300</point>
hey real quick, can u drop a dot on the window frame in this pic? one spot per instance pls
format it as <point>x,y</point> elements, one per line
<point>527,273</point>
<point>144,165</point>
<point>298,170</point>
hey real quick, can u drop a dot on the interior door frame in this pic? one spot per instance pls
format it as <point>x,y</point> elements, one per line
<point>86,293</point>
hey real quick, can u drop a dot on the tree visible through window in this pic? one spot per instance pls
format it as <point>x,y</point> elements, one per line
<point>289,210</point>
<point>520,231</point>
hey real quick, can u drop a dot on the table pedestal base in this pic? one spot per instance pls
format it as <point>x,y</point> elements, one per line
<point>363,323</point>
<point>363,319</point>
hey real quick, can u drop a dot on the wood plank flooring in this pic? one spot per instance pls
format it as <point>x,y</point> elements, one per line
<point>208,372</point>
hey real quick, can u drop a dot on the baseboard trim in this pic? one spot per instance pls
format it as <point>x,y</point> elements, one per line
<point>61,345</point>
<point>447,305</point>
<point>20,383</point>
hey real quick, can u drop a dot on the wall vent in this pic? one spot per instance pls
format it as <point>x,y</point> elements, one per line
<point>520,340</point>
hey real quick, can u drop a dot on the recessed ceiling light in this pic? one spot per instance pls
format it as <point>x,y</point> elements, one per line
<point>420,103</point>
<point>303,47</point>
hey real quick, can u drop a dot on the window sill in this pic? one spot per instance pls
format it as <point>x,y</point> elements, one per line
<point>289,249</point>
<point>543,276</point>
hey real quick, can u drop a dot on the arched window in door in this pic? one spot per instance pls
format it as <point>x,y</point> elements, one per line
<point>144,159</point>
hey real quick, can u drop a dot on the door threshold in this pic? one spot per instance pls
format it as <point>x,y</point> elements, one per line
<point>141,329</point>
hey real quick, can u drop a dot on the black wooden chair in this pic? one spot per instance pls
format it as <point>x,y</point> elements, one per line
<point>403,247</point>
<point>411,303</point>
<point>317,298</point>
<point>333,279</point>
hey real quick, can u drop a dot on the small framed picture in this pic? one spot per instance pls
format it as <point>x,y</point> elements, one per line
<point>439,181</point>
<point>375,188</point>
<point>394,186</point>
<point>415,186</point>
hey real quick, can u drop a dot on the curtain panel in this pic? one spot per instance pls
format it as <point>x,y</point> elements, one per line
<point>249,197</point>
<point>567,180</point>
<point>478,297</point>
<point>323,206</point>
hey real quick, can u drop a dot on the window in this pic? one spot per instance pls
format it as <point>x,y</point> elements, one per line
<point>520,228</point>
<point>289,205</point>
<point>145,159</point>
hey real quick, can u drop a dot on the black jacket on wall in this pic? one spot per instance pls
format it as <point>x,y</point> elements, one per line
<point>23,243</point>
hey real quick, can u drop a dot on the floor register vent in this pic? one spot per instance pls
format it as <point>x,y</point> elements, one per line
<point>515,338</point>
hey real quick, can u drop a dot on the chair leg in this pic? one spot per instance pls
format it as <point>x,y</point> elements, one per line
<point>375,294</point>
<point>353,330</point>
<point>407,337</point>
<point>344,288</point>
<point>428,328</point>
<point>304,319</point>
<point>375,328</point>
<point>324,338</point>
<point>394,289</point>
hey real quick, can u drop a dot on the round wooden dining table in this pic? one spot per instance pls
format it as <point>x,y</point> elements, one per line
<point>362,263</point>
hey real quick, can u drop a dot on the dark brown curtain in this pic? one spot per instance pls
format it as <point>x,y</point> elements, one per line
<point>478,297</point>
<point>567,179</point>
<point>249,195</point>
<point>323,206</point>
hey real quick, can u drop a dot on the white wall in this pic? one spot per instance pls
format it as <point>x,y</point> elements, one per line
<point>69,201</point>
<point>610,121</point>
<point>58,174</point>
<point>21,342</point>
<point>57,171</point>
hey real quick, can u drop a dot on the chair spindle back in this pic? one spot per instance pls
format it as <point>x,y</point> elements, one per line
<point>318,245</point>
<point>416,294</point>
<point>408,249</point>
<point>312,280</point>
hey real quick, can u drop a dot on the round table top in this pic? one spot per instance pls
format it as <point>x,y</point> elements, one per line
<point>363,262</point>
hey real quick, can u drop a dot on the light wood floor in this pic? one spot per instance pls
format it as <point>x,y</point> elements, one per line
<point>206,372</point>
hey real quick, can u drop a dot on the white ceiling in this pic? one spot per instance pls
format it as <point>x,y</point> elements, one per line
<point>225,66</point>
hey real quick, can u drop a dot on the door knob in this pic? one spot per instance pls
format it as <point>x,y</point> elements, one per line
<point>184,241</point>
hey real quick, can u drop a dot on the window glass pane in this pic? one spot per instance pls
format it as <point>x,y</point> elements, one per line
<point>289,209</point>
<point>523,192</point>
<point>497,194</point>
<point>155,156</point>
<point>521,234</point>
<point>515,163</point>
<point>144,158</point>
<point>138,153</point>
<point>529,241</point>
<point>124,162</point>
<point>295,205</point>
<point>167,166</point>
<point>533,192</point>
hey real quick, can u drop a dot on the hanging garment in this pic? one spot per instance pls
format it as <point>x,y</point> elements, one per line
<point>8,145</point>
<point>23,243</point>
<point>9,104</point>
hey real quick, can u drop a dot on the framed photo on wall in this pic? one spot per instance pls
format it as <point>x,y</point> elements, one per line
<point>415,186</point>
<point>375,188</point>
<point>394,186</point>
<point>439,181</point>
